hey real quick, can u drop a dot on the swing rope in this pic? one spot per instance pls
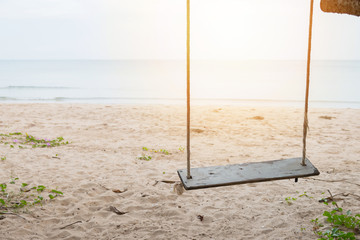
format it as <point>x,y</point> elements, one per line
<point>188,89</point>
<point>306,122</point>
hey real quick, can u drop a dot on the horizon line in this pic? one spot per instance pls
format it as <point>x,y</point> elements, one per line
<point>168,59</point>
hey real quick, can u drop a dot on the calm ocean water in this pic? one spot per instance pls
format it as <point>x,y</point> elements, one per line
<point>258,83</point>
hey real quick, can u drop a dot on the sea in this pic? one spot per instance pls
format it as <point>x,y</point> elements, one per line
<point>333,84</point>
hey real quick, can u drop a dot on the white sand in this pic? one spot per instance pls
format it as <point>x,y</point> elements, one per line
<point>102,156</point>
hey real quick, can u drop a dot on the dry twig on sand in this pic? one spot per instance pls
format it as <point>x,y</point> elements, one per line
<point>164,181</point>
<point>341,180</point>
<point>70,224</point>
<point>13,214</point>
<point>115,210</point>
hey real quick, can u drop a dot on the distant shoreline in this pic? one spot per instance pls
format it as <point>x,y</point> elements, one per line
<point>201,102</point>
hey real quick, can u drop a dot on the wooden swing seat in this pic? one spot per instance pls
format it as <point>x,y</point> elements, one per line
<point>218,176</point>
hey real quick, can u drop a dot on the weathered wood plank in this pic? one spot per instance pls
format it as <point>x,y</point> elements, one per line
<point>217,176</point>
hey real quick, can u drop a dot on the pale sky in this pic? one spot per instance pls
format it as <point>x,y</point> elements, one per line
<point>156,29</point>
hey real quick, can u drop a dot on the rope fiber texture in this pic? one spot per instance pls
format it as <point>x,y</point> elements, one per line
<point>306,121</point>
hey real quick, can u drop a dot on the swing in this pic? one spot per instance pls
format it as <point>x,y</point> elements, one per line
<point>216,176</point>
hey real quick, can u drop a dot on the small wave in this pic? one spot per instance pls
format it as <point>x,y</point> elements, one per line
<point>83,99</point>
<point>36,87</point>
<point>59,99</point>
<point>7,99</point>
<point>107,100</point>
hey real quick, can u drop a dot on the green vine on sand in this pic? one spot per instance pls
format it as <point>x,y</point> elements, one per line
<point>22,140</point>
<point>25,196</point>
<point>343,225</point>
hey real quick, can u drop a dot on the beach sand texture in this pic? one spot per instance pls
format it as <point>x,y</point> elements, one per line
<point>99,169</point>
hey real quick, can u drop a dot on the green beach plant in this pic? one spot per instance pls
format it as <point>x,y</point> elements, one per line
<point>145,157</point>
<point>289,200</point>
<point>162,151</point>
<point>24,197</point>
<point>338,224</point>
<point>305,195</point>
<point>21,140</point>
<point>336,234</point>
<point>343,226</point>
<point>54,194</point>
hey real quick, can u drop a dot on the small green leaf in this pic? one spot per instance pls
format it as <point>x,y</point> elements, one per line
<point>22,203</point>
<point>40,188</point>
<point>3,187</point>
<point>15,133</point>
<point>57,192</point>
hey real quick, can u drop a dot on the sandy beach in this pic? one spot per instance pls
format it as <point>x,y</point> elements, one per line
<point>109,193</point>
